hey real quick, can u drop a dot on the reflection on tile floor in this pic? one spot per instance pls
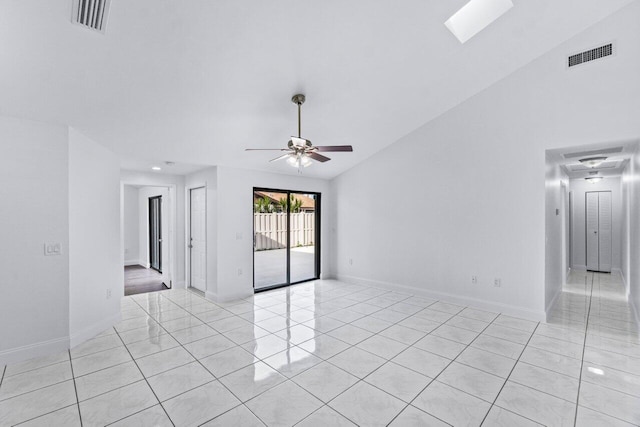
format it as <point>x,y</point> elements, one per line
<point>329,353</point>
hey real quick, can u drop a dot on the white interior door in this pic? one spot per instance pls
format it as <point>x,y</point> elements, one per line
<point>592,230</point>
<point>604,231</point>
<point>598,229</point>
<point>197,239</point>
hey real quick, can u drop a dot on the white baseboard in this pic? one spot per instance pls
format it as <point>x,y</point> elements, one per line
<point>92,330</point>
<point>20,354</point>
<point>133,262</point>
<point>552,304</point>
<point>211,296</point>
<point>580,267</point>
<point>214,297</point>
<point>521,312</point>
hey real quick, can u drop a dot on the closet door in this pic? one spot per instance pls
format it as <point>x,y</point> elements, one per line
<point>591,212</point>
<point>604,231</point>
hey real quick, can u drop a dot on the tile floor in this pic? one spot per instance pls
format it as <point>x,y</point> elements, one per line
<point>331,354</point>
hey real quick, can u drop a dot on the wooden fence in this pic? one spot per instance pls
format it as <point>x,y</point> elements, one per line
<point>271,230</point>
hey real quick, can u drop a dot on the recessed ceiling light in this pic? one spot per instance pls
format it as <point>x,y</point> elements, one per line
<point>156,168</point>
<point>475,16</point>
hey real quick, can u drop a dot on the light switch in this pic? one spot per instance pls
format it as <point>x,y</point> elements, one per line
<point>52,249</point>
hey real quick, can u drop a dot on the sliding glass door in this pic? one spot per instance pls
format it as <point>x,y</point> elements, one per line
<point>286,237</point>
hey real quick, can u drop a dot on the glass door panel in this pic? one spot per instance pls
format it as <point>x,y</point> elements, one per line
<point>302,235</point>
<point>269,239</point>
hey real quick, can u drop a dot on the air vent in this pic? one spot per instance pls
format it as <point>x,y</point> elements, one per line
<point>91,13</point>
<point>590,55</point>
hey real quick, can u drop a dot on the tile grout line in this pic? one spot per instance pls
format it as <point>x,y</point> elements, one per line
<point>145,379</point>
<point>386,360</point>
<point>75,387</point>
<point>406,315</point>
<point>445,368</point>
<point>4,369</point>
<point>509,376</point>
<point>584,346</point>
<point>215,378</point>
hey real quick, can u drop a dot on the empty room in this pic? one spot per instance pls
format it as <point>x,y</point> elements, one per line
<point>296,213</point>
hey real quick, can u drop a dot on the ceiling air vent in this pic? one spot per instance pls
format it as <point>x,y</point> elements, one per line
<point>590,55</point>
<point>91,13</point>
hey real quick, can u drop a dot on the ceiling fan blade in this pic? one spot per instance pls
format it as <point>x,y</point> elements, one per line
<point>284,156</point>
<point>266,149</point>
<point>318,157</point>
<point>334,148</point>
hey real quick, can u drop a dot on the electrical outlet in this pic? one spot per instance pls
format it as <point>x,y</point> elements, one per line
<point>239,272</point>
<point>238,236</point>
<point>350,261</point>
<point>52,249</point>
<point>108,293</point>
<point>474,280</point>
<point>497,282</point>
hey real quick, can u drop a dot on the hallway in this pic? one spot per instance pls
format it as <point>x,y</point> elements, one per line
<point>596,303</point>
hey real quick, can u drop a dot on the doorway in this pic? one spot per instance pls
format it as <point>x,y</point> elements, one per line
<point>155,233</point>
<point>148,216</point>
<point>197,239</point>
<point>286,237</point>
<point>598,231</point>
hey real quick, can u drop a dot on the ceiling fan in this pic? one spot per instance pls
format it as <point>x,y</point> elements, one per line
<point>300,151</point>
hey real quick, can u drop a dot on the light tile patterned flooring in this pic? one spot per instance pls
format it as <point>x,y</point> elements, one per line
<point>331,354</point>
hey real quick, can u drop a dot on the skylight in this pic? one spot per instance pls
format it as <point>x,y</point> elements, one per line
<point>475,16</point>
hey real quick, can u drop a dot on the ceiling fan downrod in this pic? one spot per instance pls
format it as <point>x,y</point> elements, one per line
<point>298,99</point>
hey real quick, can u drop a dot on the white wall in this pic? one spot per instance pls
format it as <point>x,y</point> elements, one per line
<point>95,267</point>
<point>579,188</point>
<point>464,194</point>
<point>235,225</point>
<point>556,183</point>
<point>631,229</point>
<point>205,178</point>
<point>34,291</point>
<point>131,226</point>
<point>175,183</point>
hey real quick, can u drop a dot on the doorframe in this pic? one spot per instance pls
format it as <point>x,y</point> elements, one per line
<point>187,237</point>
<point>317,238</point>
<point>172,210</point>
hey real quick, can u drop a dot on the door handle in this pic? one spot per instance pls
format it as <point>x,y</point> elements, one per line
<point>595,232</point>
<point>190,246</point>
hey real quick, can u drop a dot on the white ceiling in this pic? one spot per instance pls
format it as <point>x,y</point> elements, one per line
<point>196,82</point>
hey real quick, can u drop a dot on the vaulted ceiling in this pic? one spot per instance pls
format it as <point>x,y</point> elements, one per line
<point>198,81</point>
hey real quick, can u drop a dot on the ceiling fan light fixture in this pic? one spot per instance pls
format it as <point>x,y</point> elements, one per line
<point>298,142</point>
<point>593,179</point>
<point>593,162</point>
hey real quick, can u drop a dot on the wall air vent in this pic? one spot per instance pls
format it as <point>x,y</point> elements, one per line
<point>590,55</point>
<point>91,14</point>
